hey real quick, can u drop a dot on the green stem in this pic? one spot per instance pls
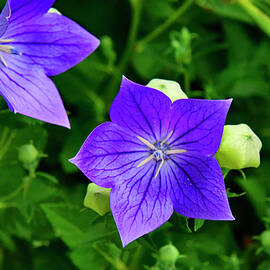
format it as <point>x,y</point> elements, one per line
<point>187,83</point>
<point>136,6</point>
<point>12,194</point>
<point>163,27</point>
<point>5,142</point>
<point>257,15</point>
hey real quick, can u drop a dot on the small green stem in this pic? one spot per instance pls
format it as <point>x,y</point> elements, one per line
<point>187,83</point>
<point>163,27</point>
<point>12,194</point>
<point>6,141</point>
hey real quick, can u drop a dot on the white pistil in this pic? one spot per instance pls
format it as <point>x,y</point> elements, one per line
<point>159,151</point>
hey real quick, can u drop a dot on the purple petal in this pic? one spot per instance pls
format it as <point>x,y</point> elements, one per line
<point>197,186</point>
<point>141,110</point>
<point>197,125</point>
<point>29,91</point>
<point>4,16</point>
<point>140,204</point>
<point>52,41</point>
<point>24,10</point>
<point>110,154</point>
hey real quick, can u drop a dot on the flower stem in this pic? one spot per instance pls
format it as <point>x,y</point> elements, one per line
<point>163,27</point>
<point>257,15</point>
<point>136,6</point>
<point>6,141</point>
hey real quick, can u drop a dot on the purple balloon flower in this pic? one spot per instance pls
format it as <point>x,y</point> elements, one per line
<point>157,156</point>
<point>34,44</point>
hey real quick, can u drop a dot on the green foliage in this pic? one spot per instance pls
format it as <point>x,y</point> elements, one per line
<point>214,49</point>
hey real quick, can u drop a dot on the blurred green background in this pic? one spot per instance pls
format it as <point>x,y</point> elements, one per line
<point>215,49</point>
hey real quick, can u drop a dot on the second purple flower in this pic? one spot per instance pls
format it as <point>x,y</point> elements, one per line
<point>34,44</point>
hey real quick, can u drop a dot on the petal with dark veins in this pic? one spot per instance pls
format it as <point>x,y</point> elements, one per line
<point>141,110</point>
<point>31,92</point>
<point>197,125</point>
<point>197,187</point>
<point>141,204</point>
<point>52,41</point>
<point>110,154</point>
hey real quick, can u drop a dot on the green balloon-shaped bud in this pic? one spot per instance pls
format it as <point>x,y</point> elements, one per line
<point>168,254</point>
<point>170,88</point>
<point>265,240</point>
<point>240,148</point>
<point>28,154</point>
<point>97,199</point>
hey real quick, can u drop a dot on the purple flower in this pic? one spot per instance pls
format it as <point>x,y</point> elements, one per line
<point>157,156</point>
<point>34,44</point>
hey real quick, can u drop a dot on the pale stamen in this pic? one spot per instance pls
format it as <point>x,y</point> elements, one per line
<point>146,160</point>
<point>159,152</point>
<point>150,145</point>
<point>6,40</point>
<point>176,151</point>
<point>9,49</point>
<point>167,138</point>
<point>159,167</point>
<point>3,61</point>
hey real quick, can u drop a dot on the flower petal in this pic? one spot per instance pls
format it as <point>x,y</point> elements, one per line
<point>197,186</point>
<point>52,41</point>
<point>29,91</point>
<point>110,154</point>
<point>24,10</point>
<point>4,16</point>
<point>142,110</point>
<point>197,125</point>
<point>140,204</point>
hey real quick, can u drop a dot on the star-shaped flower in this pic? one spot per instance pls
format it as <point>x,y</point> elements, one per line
<point>34,44</point>
<point>157,156</point>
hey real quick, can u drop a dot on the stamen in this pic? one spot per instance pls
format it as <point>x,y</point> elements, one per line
<point>150,145</point>
<point>146,160</point>
<point>167,138</point>
<point>3,61</point>
<point>6,40</point>
<point>158,170</point>
<point>9,49</point>
<point>176,151</point>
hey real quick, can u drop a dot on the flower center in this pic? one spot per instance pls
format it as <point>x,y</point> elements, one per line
<point>160,152</point>
<point>6,48</point>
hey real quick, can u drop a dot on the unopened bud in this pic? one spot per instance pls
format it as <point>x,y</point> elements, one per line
<point>98,199</point>
<point>170,88</point>
<point>240,148</point>
<point>168,254</point>
<point>28,154</point>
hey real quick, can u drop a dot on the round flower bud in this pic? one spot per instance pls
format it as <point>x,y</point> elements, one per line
<point>98,199</point>
<point>28,154</point>
<point>168,254</point>
<point>240,148</point>
<point>265,239</point>
<point>170,88</point>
